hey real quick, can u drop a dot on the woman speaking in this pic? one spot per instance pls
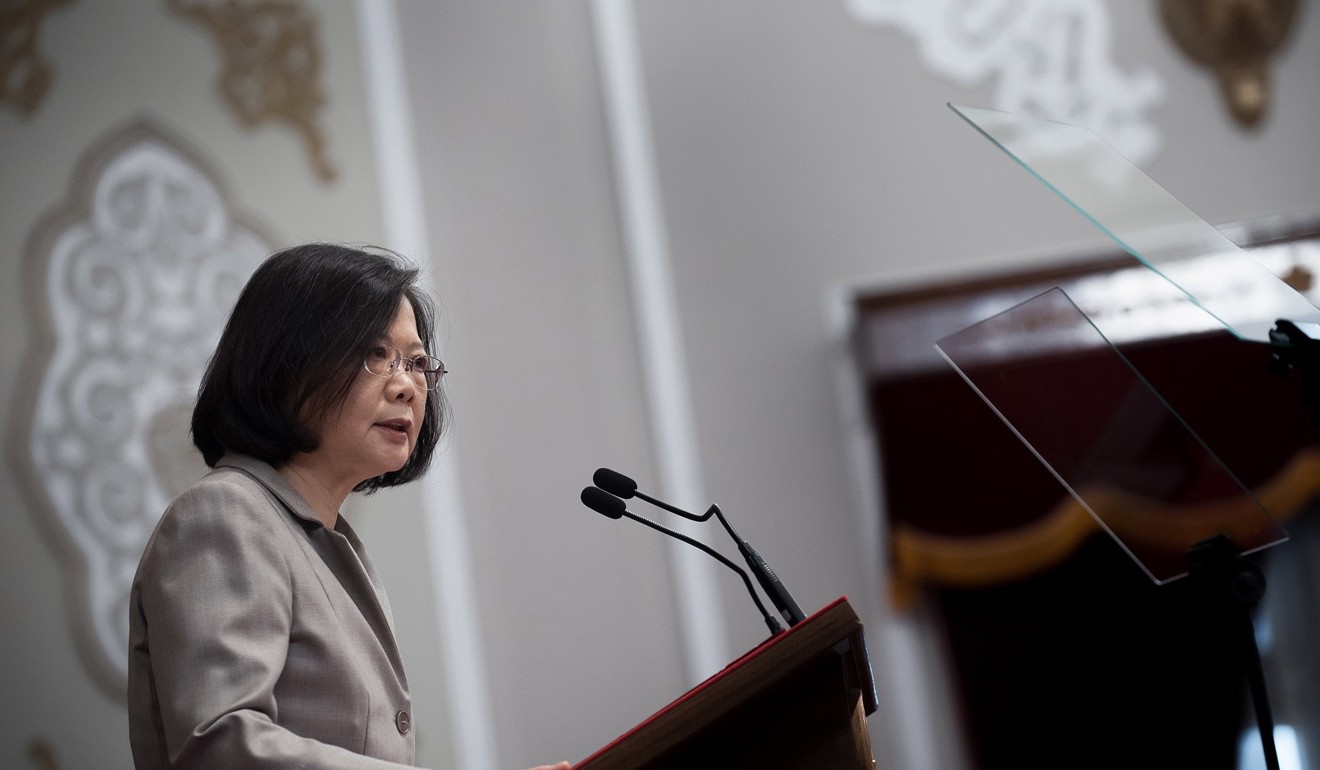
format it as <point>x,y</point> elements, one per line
<point>260,635</point>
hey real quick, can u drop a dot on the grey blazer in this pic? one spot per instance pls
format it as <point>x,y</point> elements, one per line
<point>260,638</point>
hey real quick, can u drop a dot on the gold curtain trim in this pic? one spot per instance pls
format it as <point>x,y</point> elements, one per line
<point>921,558</point>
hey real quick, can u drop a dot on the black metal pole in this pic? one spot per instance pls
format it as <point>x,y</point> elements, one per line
<point>1236,585</point>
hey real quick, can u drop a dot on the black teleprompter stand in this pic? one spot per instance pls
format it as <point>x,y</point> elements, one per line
<point>1233,585</point>
<point>1238,583</point>
<point>1296,346</point>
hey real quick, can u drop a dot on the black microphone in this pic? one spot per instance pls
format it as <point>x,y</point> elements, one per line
<point>604,503</point>
<point>621,486</point>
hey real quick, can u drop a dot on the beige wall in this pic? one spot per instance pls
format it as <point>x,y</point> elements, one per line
<point>117,63</point>
<point>801,151</point>
<point>576,616</point>
<point>797,151</point>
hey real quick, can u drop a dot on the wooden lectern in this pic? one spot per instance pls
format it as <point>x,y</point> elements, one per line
<point>799,700</point>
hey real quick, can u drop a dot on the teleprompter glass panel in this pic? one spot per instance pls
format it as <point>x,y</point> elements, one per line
<point>1126,458</point>
<point>1146,221</point>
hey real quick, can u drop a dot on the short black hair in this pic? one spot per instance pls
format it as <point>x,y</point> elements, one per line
<point>292,347</point>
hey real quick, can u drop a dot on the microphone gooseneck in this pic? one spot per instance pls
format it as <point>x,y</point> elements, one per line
<point>621,486</point>
<point>606,504</point>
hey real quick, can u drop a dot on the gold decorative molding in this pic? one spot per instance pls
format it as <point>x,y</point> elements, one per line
<point>1235,39</point>
<point>42,754</point>
<point>922,558</point>
<point>25,75</point>
<point>272,65</point>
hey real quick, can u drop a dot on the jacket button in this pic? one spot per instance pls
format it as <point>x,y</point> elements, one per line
<point>403,722</point>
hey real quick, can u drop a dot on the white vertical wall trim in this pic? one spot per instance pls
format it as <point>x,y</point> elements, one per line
<point>400,191</point>
<point>906,678</point>
<point>664,365</point>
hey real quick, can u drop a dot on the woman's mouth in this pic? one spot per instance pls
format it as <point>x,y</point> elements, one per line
<point>398,426</point>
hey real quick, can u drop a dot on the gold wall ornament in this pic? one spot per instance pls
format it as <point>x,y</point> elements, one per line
<point>42,754</point>
<point>25,75</point>
<point>1235,39</point>
<point>272,65</point>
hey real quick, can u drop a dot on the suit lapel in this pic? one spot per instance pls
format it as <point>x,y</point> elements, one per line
<point>361,582</point>
<point>337,557</point>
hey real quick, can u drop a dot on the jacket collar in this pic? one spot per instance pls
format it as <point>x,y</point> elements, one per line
<point>272,480</point>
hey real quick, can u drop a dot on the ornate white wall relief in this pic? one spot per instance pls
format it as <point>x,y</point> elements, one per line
<point>130,282</point>
<point>1049,58</point>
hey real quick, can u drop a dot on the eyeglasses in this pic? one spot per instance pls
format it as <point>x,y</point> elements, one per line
<point>383,360</point>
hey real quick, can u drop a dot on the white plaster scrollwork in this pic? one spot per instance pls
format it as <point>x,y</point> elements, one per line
<point>1049,58</point>
<point>131,282</point>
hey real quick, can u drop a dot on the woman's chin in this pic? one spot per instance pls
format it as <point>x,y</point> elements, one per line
<point>388,464</point>
<point>395,464</point>
<point>391,452</point>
